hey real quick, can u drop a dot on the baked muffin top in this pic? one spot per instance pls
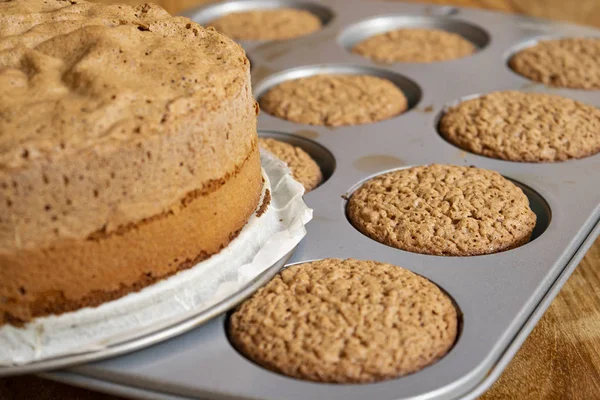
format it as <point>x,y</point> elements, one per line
<point>345,321</point>
<point>415,45</point>
<point>526,127</point>
<point>267,24</point>
<point>444,210</point>
<point>303,167</point>
<point>75,74</point>
<point>566,62</point>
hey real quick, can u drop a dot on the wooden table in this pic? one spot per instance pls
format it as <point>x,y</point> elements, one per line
<point>561,358</point>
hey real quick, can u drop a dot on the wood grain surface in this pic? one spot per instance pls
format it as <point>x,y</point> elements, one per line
<point>559,360</point>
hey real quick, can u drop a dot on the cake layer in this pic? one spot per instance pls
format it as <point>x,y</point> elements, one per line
<point>110,114</point>
<point>78,273</point>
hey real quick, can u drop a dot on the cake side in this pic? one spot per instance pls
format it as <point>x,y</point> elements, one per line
<point>128,150</point>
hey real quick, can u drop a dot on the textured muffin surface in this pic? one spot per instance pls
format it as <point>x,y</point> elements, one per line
<point>414,45</point>
<point>275,24</point>
<point>517,126</point>
<point>119,124</point>
<point>304,169</point>
<point>569,62</point>
<point>345,321</point>
<point>443,210</point>
<point>335,100</point>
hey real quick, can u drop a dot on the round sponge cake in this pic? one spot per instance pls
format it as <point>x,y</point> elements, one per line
<point>345,321</point>
<point>128,151</point>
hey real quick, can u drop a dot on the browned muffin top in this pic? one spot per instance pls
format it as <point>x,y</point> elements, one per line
<point>345,321</point>
<point>517,126</point>
<point>335,100</point>
<point>304,169</point>
<point>443,210</point>
<point>569,62</point>
<point>267,24</point>
<point>416,45</point>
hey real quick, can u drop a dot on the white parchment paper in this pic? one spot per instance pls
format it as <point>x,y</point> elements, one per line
<point>261,243</point>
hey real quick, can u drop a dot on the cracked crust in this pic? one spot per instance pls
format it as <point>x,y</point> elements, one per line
<point>443,210</point>
<point>345,321</point>
<point>528,127</point>
<point>414,45</point>
<point>304,169</point>
<point>335,100</point>
<point>276,24</point>
<point>569,62</point>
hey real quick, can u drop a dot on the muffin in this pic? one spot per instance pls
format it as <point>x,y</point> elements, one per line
<point>304,169</point>
<point>568,62</point>
<point>335,100</point>
<point>267,24</point>
<point>443,210</point>
<point>416,45</point>
<point>345,321</point>
<point>527,127</point>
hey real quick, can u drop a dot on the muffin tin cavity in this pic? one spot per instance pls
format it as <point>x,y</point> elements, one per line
<point>516,224</point>
<point>522,126</point>
<point>562,62</point>
<point>363,30</point>
<point>346,321</point>
<point>320,154</point>
<point>409,88</point>
<point>207,14</point>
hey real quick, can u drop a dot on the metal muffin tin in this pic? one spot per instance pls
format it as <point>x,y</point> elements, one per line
<point>500,296</point>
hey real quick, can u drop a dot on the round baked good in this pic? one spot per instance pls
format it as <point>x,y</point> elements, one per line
<point>304,169</point>
<point>128,151</point>
<point>267,24</point>
<point>443,210</point>
<point>416,45</point>
<point>335,100</point>
<point>345,321</point>
<point>569,63</point>
<point>518,126</point>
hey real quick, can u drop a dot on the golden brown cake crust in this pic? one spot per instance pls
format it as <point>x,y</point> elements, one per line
<point>304,169</point>
<point>345,321</point>
<point>414,45</point>
<point>113,116</point>
<point>530,127</point>
<point>335,100</point>
<point>443,210</point>
<point>569,62</point>
<point>275,24</point>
